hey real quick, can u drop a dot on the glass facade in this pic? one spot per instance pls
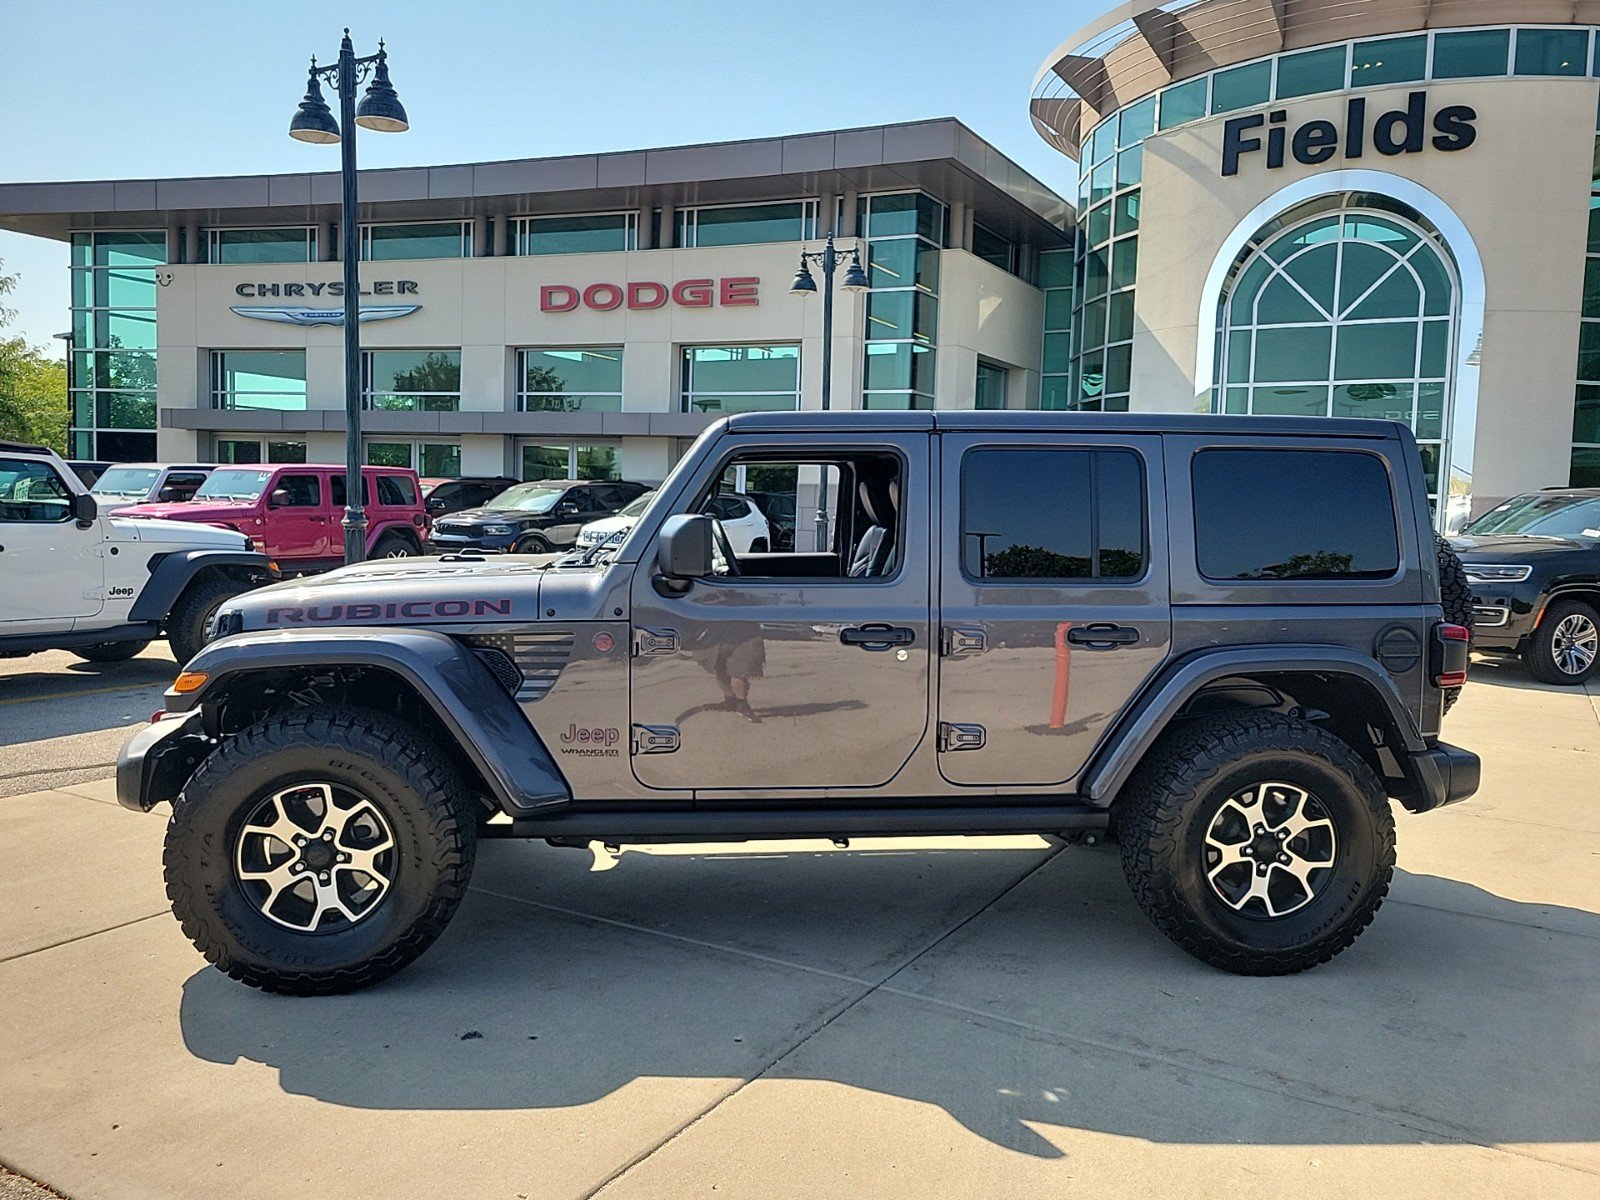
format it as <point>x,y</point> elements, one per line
<point>989,389</point>
<point>1585,469</point>
<point>744,224</point>
<point>904,234</point>
<point>1101,347</point>
<point>112,372</point>
<point>1056,278</point>
<point>411,380</point>
<point>581,234</point>
<point>430,460</point>
<point>994,249</point>
<point>733,379</point>
<point>258,379</point>
<point>427,239</point>
<point>290,244</point>
<point>245,451</point>
<point>1345,314</point>
<point>570,379</point>
<point>570,462</point>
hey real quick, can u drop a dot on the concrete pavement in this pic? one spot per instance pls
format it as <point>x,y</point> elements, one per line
<point>975,1019</point>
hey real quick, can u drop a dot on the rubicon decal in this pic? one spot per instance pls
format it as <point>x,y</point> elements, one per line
<point>410,610</point>
<point>732,291</point>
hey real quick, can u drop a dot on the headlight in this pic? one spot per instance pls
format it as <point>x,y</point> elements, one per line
<point>495,530</point>
<point>1497,572</point>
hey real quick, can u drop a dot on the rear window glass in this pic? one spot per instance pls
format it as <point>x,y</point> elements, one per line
<point>1293,514</point>
<point>397,490</point>
<point>1052,514</point>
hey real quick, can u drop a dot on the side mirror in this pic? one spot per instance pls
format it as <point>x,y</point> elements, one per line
<point>170,495</point>
<point>435,506</point>
<point>84,508</point>
<point>567,509</point>
<point>683,550</point>
<point>279,498</point>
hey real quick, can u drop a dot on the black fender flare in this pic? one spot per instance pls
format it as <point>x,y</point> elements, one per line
<point>174,572</point>
<point>485,723</point>
<point>1140,727</point>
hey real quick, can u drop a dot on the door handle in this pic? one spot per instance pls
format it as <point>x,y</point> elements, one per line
<point>877,636</point>
<point>1102,636</point>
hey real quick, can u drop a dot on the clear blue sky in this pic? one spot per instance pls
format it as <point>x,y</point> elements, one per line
<point>97,89</point>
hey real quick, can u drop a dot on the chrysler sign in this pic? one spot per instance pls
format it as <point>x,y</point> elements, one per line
<point>296,314</point>
<point>733,291</point>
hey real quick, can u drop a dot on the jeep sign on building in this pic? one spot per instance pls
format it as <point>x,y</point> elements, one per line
<point>1369,208</point>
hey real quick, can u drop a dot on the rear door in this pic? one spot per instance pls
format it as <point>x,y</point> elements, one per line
<point>1054,596</point>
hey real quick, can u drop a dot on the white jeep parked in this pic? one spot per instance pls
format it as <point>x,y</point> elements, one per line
<point>104,587</point>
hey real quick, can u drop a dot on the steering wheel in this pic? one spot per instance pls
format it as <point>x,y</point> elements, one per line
<point>724,547</point>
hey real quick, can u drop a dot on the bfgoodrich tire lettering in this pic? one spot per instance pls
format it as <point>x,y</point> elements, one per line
<point>421,799</point>
<point>1173,800</point>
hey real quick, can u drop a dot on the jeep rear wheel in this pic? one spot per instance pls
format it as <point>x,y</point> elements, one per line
<point>394,545</point>
<point>110,652</point>
<point>1259,843</point>
<point>317,853</point>
<point>1565,649</point>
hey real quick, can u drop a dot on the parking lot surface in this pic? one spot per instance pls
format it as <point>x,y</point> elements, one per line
<point>974,1018</point>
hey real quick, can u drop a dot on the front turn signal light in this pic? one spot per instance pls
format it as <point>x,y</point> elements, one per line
<point>189,681</point>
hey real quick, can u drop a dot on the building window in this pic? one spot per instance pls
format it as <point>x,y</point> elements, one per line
<point>1389,60</point>
<point>545,461</point>
<point>1348,314</point>
<point>112,368</point>
<point>258,379</point>
<point>1092,369</point>
<point>430,460</point>
<point>291,244</point>
<point>570,379</point>
<point>994,249</point>
<point>1552,52</point>
<point>734,379</point>
<point>745,224</point>
<point>1055,368</point>
<point>247,451</point>
<point>1470,53</point>
<point>411,380</point>
<point>905,233</point>
<point>989,391</point>
<point>589,233</point>
<point>429,239</point>
<point>1241,87</point>
<point>1585,466</point>
<point>1312,71</point>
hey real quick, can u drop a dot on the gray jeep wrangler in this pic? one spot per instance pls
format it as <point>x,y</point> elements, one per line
<point>1218,640</point>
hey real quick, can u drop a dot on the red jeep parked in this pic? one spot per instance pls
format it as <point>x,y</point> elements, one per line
<point>295,512</point>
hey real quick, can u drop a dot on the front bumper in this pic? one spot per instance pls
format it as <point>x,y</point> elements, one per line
<point>454,543</point>
<point>158,760</point>
<point>1442,774</point>
<point>1503,614</point>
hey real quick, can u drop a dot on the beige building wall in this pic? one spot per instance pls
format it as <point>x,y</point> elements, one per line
<point>1522,192</point>
<point>989,313</point>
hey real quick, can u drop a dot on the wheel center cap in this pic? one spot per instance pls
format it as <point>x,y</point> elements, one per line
<point>318,856</point>
<point>1265,847</point>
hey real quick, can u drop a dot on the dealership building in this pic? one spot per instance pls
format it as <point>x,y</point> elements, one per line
<point>576,317</point>
<point>1382,208</point>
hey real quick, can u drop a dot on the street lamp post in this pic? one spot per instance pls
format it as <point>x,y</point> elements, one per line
<point>379,110</point>
<point>855,280</point>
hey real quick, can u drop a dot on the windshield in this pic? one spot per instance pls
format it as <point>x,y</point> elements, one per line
<point>528,497</point>
<point>234,484</point>
<point>1541,514</point>
<point>638,506</point>
<point>126,483</point>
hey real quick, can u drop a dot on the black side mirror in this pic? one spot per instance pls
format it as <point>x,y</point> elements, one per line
<point>169,495</point>
<point>683,550</point>
<point>84,508</point>
<point>567,509</point>
<point>435,506</point>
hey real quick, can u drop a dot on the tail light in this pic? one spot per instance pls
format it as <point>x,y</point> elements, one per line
<point>1450,654</point>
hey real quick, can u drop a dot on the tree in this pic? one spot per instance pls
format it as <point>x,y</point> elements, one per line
<point>33,387</point>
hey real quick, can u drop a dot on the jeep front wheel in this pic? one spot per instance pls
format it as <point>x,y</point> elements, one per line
<point>1259,843</point>
<point>317,853</point>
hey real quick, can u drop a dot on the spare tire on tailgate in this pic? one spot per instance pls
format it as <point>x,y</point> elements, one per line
<point>1455,595</point>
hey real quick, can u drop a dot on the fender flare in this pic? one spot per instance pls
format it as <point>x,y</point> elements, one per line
<point>484,722</point>
<point>1140,727</point>
<point>174,572</point>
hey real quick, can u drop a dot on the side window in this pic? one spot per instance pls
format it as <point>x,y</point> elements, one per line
<point>186,483</point>
<point>608,498</point>
<point>301,491</point>
<point>395,490</point>
<point>1052,515</point>
<point>1293,514</point>
<point>337,492</point>
<point>585,499</point>
<point>33,493</point>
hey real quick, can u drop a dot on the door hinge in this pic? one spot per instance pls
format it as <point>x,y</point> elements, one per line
<point>960,737</point>
<point>954,641</point>
<point>655,739</point>
<point>647,642</point>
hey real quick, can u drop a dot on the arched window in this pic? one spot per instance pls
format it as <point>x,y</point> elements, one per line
<point>1346,314</point>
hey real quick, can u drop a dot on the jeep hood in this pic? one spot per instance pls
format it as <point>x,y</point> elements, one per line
<point>416,591</point>
<point>490,516</point>
<point>208,510</point>
<point>1509,547</point>
<point>176,533</point>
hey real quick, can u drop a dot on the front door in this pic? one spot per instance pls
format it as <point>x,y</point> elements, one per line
<point>1055,599</point>
<point>51,572</point>
<point>297,526</point>
<point>793,671</point>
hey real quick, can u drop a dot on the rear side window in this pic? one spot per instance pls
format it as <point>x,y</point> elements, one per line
<point>396,490</point>
<point>1294,514</point>
<point>1052,514</point>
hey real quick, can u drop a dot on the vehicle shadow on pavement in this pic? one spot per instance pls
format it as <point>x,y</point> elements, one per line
<point>1459,1015</point>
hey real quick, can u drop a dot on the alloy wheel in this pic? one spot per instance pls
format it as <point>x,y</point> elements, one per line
<point>1574,643</point>
<point>315,857</point>
<point>1268,849</point>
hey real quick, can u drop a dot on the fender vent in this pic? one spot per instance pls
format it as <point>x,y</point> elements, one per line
<point>537,658</point>
<point>501,667</point>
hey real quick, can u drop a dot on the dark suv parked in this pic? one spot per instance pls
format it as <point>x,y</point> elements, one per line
<point>532,518</point>
<point>1155,627</point>
<point>443,496</point>
<point>1533,565</point>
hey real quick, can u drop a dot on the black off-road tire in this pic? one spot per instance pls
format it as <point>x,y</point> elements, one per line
<point>402,774</point>
<point>1455,596</point>
<point>1168,805</point>
<point>532,543</point>
<point>109,652</point>
<point>395,545</point>
<point>192,612</point>
<point>1540,655</point>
